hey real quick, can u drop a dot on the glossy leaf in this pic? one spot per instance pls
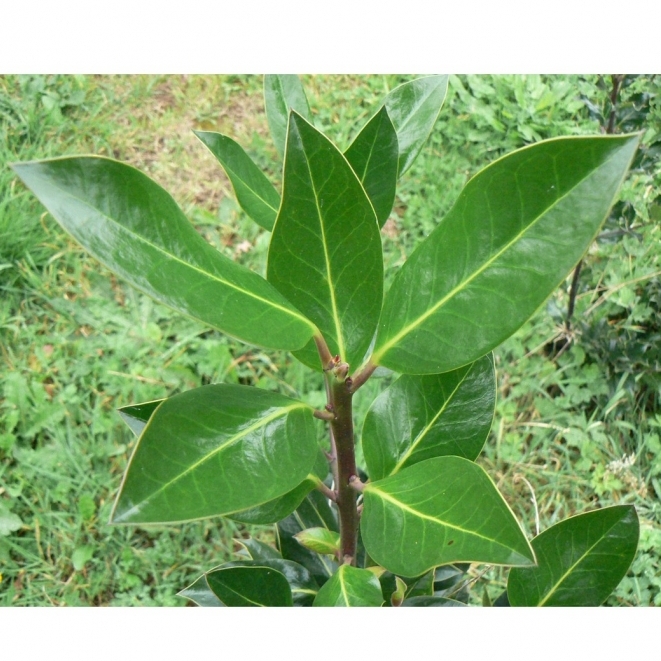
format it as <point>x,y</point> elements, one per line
<point>134,227</point>
<point>254,192</point>
<point>258,550</point>
<point>313,512</point>
<point>319,540</point>
<point>414,108</point>
<point>325,253</point>
<point>432,601</point>
<point>282,93</point>
<point>216,450</point>
<point>440,511</point>
<point>447,578</point>
<point>433,415</point>
<point>350,586</point>
<point>254,585</point>
<point>515,232</point>
<point>374,155</point>
<point>136,416</point>
<point>303,587</point>
<point>580,560</point>
<point>201,594</point>
<point>397,597</point>
<point>282,507</point>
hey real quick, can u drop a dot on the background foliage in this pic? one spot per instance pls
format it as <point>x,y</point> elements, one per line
<point>578,422</point>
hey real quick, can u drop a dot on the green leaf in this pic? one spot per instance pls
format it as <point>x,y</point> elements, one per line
<point>278,509</point>
<point>433,415</point>
<point>440,511</point>
<point>200,593</point>
<point>319,540</point>
<point>374,155</point>
<point>350,586</point>
<point>414,108</point>
<point>282,93</point>
<point>580,560</point>
<point>432,601</point>
<point>397,597</point>
<point>303,586</point>
<point>313,512</point>
<point>134,227</point>
<point>254,192</point>
<point>254,585</point>
<point>136,416</point>
<point>216,450</point>
<point>517,229</point>
<point>325,254</point>
<point>258,550</point>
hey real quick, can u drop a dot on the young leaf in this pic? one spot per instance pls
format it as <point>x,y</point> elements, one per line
<point>350,586</point>
<point>136,416</point>
<point>325,253</point>
<point>580,560</point>
<point>282,93</point>
<point>134,227</point>
<point>216,450</point>
<point>303,586</point>
<point>414,108</point>
<point>200,593</point>
<point>373,155</point>
<point>250,586</point>
<point>421,417</point>
<point>440,511</point>
<point>319,540</point>
<point>397,597</point>
<point>254,192</point>
<point>517,229</point>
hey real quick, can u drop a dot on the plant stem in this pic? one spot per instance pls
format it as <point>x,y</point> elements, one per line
<point>342,431</point>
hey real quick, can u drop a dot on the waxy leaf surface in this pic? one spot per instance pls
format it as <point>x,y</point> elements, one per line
<point>413,108</point>
<point>216,450</point>
<point>136,416</point>
<point>254,192</point>
<point>258,550</point>
<point>254,585</point>
<point>424,416</point>
<point>374,155</point>
<point>433,601</point>
<point>440,511</point>
<point>303,587</point>
<point>201,594</point>
<point>515,232</point>
<point>319,540</point>
<point>350,586</point>
<point>580,560</point>
<point>282,93</point>
<point>134,227</point>
<point>325,253</point>
<point>279,508</point>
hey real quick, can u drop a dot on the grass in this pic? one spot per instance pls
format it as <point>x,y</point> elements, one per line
<point>577,422</point>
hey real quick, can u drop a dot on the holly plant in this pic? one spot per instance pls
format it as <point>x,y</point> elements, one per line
<point>403,528</point>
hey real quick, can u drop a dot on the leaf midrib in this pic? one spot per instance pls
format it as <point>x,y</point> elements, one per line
<point>336,319</point>
<point>407,508</point>
<point>237,437</point>
<point>462,285</point>
<point>561,580</point>
<point>179,260</point>
<point>419,438</point>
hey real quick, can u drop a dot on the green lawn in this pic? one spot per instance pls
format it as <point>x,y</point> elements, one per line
<point>578,419</point>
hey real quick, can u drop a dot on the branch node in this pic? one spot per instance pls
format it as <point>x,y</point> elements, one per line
<point>323,415</point>
<point>356,483</point>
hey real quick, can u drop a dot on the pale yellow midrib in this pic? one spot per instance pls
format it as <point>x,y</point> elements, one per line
<point>181,261</point>
<point>425,430</point>
<point>336,318</point>
<point>462,285</point>
<point>261,423</point>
